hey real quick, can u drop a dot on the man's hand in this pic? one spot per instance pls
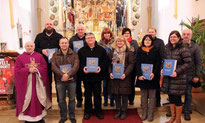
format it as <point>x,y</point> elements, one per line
<point>65,77</point>
<point>111,76</point>
<point>33,70</point>
<point>99,69</point>
<point>44,51</point>
<point>195,79</point>
<point>85,70</point>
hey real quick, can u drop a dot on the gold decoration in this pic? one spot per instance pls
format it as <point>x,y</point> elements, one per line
<point>11,14</point>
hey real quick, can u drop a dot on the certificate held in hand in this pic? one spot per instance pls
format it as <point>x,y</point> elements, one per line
<point>92,64</point>
<point>117,71</point>
<point>169,67</point>
<point>65,69</point>
<point>146,70</point>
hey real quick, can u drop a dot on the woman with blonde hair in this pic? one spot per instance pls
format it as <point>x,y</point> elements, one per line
<point>121,88</point>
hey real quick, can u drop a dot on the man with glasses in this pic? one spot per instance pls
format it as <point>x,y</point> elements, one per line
<point>92,80</point>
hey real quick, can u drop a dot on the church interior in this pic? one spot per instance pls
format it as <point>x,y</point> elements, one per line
<point>22,20</point>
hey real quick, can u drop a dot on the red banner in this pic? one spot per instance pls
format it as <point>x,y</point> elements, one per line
<point>6,75</point>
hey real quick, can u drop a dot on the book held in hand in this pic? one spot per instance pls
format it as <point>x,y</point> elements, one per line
<point>50,53</point>
<point>117,71</point>
<point>147,70</point>
<point>92,64</point>
<point>77,45</point>
<point>169,67</point>
<point>65,69</point>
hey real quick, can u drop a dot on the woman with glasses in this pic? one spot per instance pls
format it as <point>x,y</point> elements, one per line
<point>175,85</point>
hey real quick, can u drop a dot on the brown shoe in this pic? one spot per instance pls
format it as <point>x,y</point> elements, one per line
<point>178,114</point>
<point>173,113</point>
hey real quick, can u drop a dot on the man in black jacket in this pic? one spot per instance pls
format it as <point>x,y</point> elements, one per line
<point>159,44</point>
<point>92,80</point>
<point>193,71</point>
<point>79,36</point>
<point>48,39</point>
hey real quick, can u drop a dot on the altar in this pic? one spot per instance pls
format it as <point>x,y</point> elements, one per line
<point>96,15</point>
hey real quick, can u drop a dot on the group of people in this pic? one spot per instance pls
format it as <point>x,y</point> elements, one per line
<point>33,73</point>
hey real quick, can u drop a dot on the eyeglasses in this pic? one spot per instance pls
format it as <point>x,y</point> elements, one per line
<point>90,37</point>
<point>173,37</point>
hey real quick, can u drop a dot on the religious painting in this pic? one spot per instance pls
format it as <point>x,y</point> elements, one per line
<point>95,15</point>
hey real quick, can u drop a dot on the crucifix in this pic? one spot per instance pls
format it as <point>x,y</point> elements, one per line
<point>32,64</point>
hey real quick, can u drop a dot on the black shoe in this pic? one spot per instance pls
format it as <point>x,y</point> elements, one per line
<point>79,104</point>
<point>41,121</point>
<point>131,103</point>
<point>62,120</point>
<point>168,114</point>
<point>73,120</point>
<point>112,104</point>
<point>190,112</point>
<point>187,116</point>
<point>100,116</point>
<point>105,104</point>
<point>87,116</point>
<point>123,115</point>
<point>117,115</point>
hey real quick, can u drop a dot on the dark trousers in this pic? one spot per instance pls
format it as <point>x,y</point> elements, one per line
<point>158,97</point>
<point>188,95</point>
<point>79,91</point>
<point>174,99</point>
<point>132,95</point>
<point>105,91</point>
<point>92,87</point>
<point>50,78</point>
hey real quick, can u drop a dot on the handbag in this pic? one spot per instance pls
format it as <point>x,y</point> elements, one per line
<point>196,85</point>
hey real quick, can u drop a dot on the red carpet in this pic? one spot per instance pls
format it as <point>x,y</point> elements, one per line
<point>132,117</point>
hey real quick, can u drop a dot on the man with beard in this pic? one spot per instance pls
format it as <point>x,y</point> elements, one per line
<point>48,39</point>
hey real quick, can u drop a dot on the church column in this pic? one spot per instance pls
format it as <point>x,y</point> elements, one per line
<point>11,14</point>
<point>39,16</point>
<point>149,9</point>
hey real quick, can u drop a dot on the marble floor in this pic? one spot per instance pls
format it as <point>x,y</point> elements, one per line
<point>8,116</point>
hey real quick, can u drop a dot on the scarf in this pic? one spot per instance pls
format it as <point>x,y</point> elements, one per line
<point>107,40</point>
<point>147,49</point>
<point>119,55</point>
<point>129,39</point>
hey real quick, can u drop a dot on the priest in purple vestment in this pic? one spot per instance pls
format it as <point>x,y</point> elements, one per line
<point>32,87</point>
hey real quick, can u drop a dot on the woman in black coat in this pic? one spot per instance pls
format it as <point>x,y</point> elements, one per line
<point>148,54</point>
<point>175,85</point>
